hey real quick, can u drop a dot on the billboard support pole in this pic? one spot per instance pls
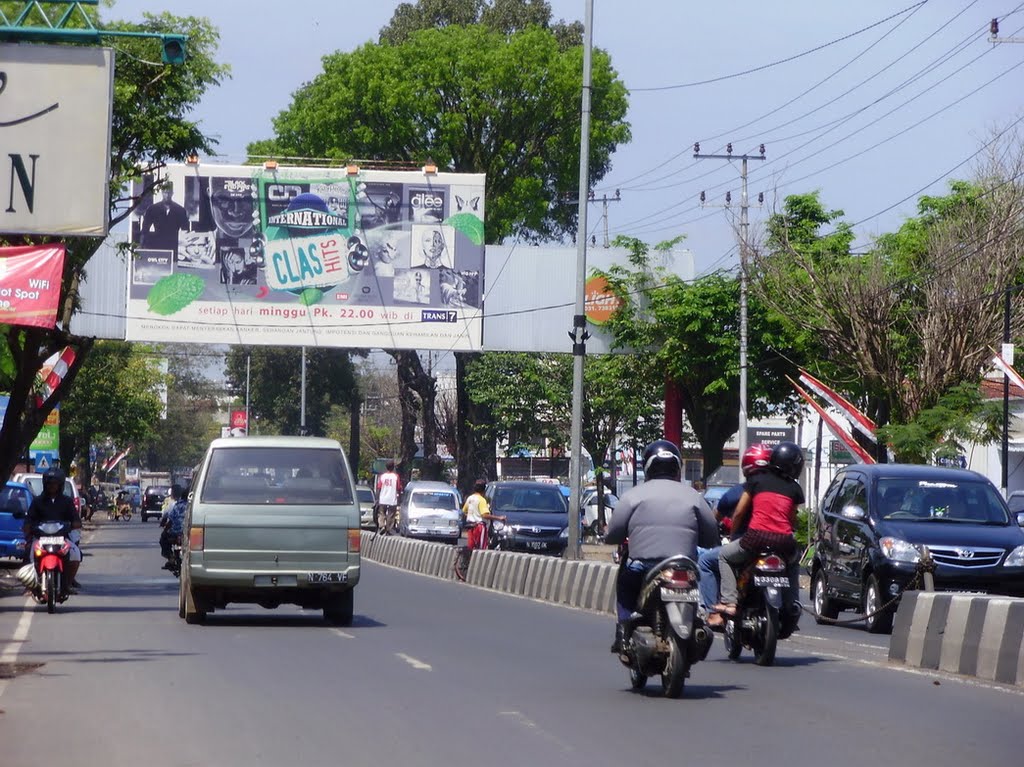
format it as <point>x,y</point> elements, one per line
<point>579,321</point>
<point>248,360</point>
<point>302,397</point>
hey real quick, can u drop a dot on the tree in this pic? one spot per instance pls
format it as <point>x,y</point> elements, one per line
<point>115,398</point>
<point>181,437</point>
<point>906,323</point>
<point>473,99</point>
<point>690,330</point>
<point>275,389</point>
<point>151,126</point>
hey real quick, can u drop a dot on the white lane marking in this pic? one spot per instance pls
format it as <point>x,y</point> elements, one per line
<point>416,664</point>
<point>13,647</point>
<point>533,727</point>
<point>342,634</point>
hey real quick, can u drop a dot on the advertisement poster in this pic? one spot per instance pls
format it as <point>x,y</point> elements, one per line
<point>239,424</point>
<point>309,257</point>
<point>30,277</point>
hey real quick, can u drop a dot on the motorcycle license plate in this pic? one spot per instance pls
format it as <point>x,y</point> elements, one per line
<point>778,581</point>
<point>676,595</point>
<point>326,577</point>
<point>51,540</point>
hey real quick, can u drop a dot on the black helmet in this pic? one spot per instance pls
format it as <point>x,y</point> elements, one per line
<point>787,459</point>
<point>176,491</point>
<point>54,474</point>
<point>662,460</point>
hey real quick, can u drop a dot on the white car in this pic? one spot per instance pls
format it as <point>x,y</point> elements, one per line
<point>430,510</point>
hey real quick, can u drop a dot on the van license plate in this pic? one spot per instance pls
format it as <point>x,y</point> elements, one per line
<point>778,581</point>
<point>326,577</point>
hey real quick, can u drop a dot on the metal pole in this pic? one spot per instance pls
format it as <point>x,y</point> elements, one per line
<point>579,320</point>
<point>742,433</point>
<point>1005,484</point>
<point>248,360</point>
<point>302,397</point>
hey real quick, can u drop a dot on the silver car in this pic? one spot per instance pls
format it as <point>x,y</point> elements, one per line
<point>430,510</point>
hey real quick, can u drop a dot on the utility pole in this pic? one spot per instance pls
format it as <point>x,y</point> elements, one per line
<point>579,333</point>
<point>742,431</point>
<point>995,38</point>
<point>605,199</point>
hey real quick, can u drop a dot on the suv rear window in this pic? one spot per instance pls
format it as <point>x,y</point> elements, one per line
<point>36,485</point>
<point>307,476</point>
<point>158,490</point>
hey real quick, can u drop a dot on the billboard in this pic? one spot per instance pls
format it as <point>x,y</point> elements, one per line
<point>30,280</point>
<point>55,112</point>
<point>309,257</point>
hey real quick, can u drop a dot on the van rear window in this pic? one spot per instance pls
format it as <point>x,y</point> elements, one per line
<point>302,476</point>
<point>435,500</point>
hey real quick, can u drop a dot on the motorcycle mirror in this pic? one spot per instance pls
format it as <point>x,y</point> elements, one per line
<point>1020,519</point>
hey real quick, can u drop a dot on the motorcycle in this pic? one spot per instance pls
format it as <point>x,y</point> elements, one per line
<point>51,548</point>
<point>761,618</point>
<point>667,634</point>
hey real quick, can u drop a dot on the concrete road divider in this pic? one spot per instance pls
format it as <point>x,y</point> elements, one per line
<point>585,585</point>
<point>979,636</point>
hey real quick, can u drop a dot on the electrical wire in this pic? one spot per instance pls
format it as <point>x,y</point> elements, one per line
<point>779,61</point>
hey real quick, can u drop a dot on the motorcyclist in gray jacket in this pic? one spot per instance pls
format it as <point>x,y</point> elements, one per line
<point>661,518</point>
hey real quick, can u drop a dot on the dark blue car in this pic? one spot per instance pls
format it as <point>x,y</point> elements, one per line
<point>15,498</point>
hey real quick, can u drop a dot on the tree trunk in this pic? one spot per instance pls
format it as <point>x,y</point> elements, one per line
<point>476,458</point>
<point>712,426</point>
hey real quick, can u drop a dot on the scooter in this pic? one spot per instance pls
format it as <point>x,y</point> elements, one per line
<point>51,548</point>
<point>667,634</point>
<point>761,617</point>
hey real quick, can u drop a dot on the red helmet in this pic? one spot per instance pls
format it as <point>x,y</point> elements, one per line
<point>756,458</point>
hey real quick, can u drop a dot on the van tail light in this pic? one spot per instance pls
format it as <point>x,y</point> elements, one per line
<point>355,541</point>
<point>195,539</point>
<point>771,563</point>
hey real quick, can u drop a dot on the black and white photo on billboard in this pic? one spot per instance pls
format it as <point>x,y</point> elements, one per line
<point>196,250</point>
<point>413,286</point>
<point>237,266</point>
<point>335,196</point>
<point>151,265</point>
<point>459,289</point>
<point>389,250</point>
<point>378,204</point>
<point>163,220</point>
<point>466,199</point>
<point>432,246</point>
<point>426,205</point>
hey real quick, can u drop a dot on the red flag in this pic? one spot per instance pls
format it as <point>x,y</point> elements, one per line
<point>30,279</point>
<point>840,433</point>
<point>857,419</point>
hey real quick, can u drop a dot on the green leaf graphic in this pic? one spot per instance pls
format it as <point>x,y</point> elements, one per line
<point>174,292</point>
<point>469,225</point>
<point>310,296</point>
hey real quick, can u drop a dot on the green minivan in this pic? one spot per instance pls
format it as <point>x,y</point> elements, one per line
<point>271,521</point>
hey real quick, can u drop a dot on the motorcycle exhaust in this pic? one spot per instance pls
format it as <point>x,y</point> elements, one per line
<point>702,639</point>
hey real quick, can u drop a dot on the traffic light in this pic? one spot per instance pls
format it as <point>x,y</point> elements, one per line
<point>173,49</point>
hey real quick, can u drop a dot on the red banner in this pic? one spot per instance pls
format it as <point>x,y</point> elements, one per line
<point>30,278</point>
<point>239,423</point>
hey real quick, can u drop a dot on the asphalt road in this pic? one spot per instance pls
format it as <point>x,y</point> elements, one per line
<point>437,673</point>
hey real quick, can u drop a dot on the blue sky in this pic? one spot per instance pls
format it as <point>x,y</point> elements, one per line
<point>926,87</point>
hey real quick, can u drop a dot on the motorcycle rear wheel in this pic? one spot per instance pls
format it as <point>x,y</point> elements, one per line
<point>733,643</point>
<point>673,678</point>
<point>637,680</point>
<point>768,636</point>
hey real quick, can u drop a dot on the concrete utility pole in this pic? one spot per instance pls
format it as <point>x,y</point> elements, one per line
<point>605,199</point>
<point>741,433</point>
<point>579,333</point>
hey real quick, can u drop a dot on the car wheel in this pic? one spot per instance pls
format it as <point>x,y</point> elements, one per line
<point>340,608</point>
<point>195,608</point>
<point>824,609</point>
<point>882,622</point>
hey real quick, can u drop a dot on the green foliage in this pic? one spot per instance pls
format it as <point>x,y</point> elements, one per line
<point>275,385</point>
<point>115,398</point>
<point>691,331</point>
<point>942,431</point>
<point>472,100</point>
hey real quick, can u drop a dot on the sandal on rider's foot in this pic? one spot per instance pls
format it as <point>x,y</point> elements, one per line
<point>715,621</point>
<point>723,609</point>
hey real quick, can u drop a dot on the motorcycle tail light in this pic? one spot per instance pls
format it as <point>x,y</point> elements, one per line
<point>771,563</point>
<point>355,541</point>
<point>65,549</point>
<point>682,579</point>
<point>39,552</point>
<point>195,539</point>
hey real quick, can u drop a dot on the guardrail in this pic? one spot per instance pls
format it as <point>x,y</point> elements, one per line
<point>585,585</point>
<point>978,636</point>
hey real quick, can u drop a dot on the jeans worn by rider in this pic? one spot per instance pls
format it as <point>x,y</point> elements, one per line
<point>661,518</point>
<point>172,521</point>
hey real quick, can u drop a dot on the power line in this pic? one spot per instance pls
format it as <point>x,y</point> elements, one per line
<point>779,61</point>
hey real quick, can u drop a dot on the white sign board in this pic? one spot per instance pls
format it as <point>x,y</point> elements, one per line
<point>55,112</point>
